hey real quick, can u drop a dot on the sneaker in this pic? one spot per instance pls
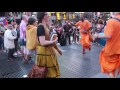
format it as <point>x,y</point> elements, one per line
<point>25,76</point>
<point>83,53</point>
<point>15,54</point>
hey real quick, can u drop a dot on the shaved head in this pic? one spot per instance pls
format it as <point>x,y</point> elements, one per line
<point>82,18</point>
<point>24,17</point>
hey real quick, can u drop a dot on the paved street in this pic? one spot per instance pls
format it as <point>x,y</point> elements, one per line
<point>75,65</point>
<point>72,64</point>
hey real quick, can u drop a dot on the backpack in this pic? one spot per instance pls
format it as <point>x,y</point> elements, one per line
<point>31,38</point>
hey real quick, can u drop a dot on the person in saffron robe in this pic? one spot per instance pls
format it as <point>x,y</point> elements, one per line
<point>84,29</point>
<point>110,54</point>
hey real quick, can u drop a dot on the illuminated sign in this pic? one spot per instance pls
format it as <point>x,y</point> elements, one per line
<point>58,15</point>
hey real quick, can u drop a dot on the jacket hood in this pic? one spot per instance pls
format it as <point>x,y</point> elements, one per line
<point>29,27</point>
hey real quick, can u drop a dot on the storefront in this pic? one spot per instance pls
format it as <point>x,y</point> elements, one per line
<point>57,17</point>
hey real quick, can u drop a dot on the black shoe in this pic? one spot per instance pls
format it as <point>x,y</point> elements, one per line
<point>83,52</point>
<point>14,58</point>
<point>89,49</point>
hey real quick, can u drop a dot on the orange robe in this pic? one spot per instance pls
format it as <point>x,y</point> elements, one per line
<point>85,38</point>
<point>110,54</point>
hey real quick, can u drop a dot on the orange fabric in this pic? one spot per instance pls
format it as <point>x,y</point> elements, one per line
<point>110,54</point>
<point>85,38</point>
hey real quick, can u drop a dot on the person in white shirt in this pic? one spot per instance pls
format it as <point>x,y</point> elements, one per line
<point>9,45</point>
<point>14,32</point>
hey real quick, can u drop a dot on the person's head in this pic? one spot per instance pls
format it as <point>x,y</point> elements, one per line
<point>100,21</point>
<point>32,21</point>
<point>18,21</point>
<point>10,27</point>
<point>82,18</point>
<point>28,13</point>
<point>42,16</point>
<point>25,18</point>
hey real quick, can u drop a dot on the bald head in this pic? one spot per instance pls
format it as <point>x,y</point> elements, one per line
<point>24,17</point>
<point>82,19</point>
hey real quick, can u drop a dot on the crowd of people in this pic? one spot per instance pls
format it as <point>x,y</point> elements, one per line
<point>67,34</point>
<point>35,39</point>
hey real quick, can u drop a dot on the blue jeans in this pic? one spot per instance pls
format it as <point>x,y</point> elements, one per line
<point>33,54</point>
<point>22,42</point>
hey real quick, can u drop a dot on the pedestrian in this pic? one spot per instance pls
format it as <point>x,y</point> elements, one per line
<point>93,26</point>
<point>77,35</point>
<point>23,36</point>
<point>58,30</point>
<point>110,54</point>
<point>9,45</point>
<point>100,29</point>
<point>46,55</point>
<point>31,37</point>
<point>73,34</point>
<point>14,31</point>
<point>100,26</point>
<point>67,31</point>
<point>85,33</point>
<point>18,41</point>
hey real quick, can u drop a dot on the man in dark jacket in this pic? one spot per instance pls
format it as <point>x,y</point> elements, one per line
<point>67,28</point>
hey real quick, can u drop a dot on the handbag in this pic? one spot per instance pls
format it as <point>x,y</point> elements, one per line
<point>38,72</point>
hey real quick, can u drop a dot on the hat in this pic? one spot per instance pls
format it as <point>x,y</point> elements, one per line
<point>10,19</point>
